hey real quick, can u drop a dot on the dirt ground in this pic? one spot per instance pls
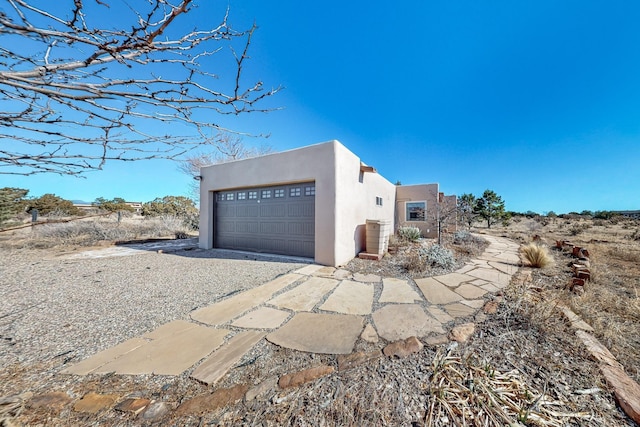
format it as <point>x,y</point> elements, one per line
<point>525,353</point>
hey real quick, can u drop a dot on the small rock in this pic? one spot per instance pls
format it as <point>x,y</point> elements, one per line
<point>462,333</point>
<point>54,401</point>
<point>210,401</point>
<point>437,339</point>
<point>134,405</point>
<point>491,307</point>
<point>353,360</point>
<point>369,334</point>
<point>93,403</point>
<point>261,389</point>
<point>403,348</point>
<point>155,411</point>
<point>298,378</point>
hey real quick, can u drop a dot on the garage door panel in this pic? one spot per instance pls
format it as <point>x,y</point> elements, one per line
<point>277,219</point>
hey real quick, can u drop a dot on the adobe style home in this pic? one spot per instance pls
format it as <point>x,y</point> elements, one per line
<point>310,202</point>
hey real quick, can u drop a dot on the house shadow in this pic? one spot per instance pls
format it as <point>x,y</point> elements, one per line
<point>189,248</point>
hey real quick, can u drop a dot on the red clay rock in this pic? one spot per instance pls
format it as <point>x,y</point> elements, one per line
<point>350,361</point>
<point>491,307</point>
<point>298,378</point>
<point>625,389</point>
<point>93,403</point>
<point>134,405</point>
<point>53,401</point>
<point>211,401</point>
<point>403,348</point>
<point>462,333</point>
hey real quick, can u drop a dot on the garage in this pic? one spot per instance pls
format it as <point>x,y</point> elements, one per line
<point>277,219</point>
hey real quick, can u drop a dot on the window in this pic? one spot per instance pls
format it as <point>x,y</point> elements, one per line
<point>279,192</point>
<point>220,197</point>
<point>310,191</point>
<point>230,196</point>
<point>294,192</point>
<point>242,196</point>
<point>253,194</point>
<point>379,201</point>
<point>266,194</point>
<point>416,211</point>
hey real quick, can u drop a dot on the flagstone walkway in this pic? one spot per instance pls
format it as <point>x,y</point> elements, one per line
<point>314,309</point>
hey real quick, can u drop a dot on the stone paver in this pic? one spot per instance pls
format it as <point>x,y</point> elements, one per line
<point>170,355</point>
<point>459,310</point>
<point>319,333</point>
<point>236,305</point>
<point>474,303</point>
<point>308,270</point>
<point>498,278</point>
<point>490,287</point>
<point>217,365</point>
<point>439,314</point>
<point>453,279</point>
<point>399,291</point>
<point>435,292</point>
<point>400,321</point>
<point>366,278</point>
<point>306,295</point>
<point>504,267</point>
<point>465,268</point>
<point>102,358</point>
<point>469,291</point>
<point>350,298</point>
<point>262,318</point>
<point>169,329</point>
<point>325,271</point>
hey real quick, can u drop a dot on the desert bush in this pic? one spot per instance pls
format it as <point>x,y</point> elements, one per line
<point>409,233</point>
<point>437,256</point>
<point>536,255</point>
<point>635,235</point>
<point>578,228</point>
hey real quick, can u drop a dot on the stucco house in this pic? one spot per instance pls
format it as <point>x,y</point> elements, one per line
<point>311,202</point>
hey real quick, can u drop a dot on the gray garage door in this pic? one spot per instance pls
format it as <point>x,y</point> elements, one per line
<point>276,219</point>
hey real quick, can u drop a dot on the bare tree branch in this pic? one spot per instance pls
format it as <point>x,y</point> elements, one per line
<point>74,95</point>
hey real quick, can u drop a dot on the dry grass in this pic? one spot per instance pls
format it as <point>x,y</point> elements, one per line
<point>611,301</point>
<point>536,255</point>
<point>95,231</point>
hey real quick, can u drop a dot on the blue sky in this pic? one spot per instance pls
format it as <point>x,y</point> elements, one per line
<point>538,101</point>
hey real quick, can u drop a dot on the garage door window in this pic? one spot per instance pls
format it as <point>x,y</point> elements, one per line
<point>266,194</point>
<point>295,192</point>
<point>242,196</point>
<point>279,193</point>
<point>310,191</point>
<point>253,194</point>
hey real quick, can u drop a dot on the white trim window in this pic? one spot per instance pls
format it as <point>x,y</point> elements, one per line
<point>416,211</point>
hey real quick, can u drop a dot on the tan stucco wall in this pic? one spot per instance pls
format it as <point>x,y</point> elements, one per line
<point>418,193</point>
<point>356,194</point>
<point>342,204</point>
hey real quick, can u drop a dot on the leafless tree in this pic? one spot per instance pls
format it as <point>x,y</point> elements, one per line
<point>225,148</point>
<point>75,94</point>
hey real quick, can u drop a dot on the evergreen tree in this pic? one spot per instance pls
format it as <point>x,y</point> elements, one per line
<point>490,207</point>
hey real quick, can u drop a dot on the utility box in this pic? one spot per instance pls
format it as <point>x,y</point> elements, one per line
<point>377,234</point>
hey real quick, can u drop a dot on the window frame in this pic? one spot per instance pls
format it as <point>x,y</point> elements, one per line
<point>408,214</point>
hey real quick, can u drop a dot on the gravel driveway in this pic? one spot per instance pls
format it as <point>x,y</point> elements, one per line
<point>55,306</point>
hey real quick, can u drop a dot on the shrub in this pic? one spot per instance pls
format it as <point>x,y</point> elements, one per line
<point>635,235</point>
<point>409,233</point>
<point>437,256</point>
<point>536,255</point>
